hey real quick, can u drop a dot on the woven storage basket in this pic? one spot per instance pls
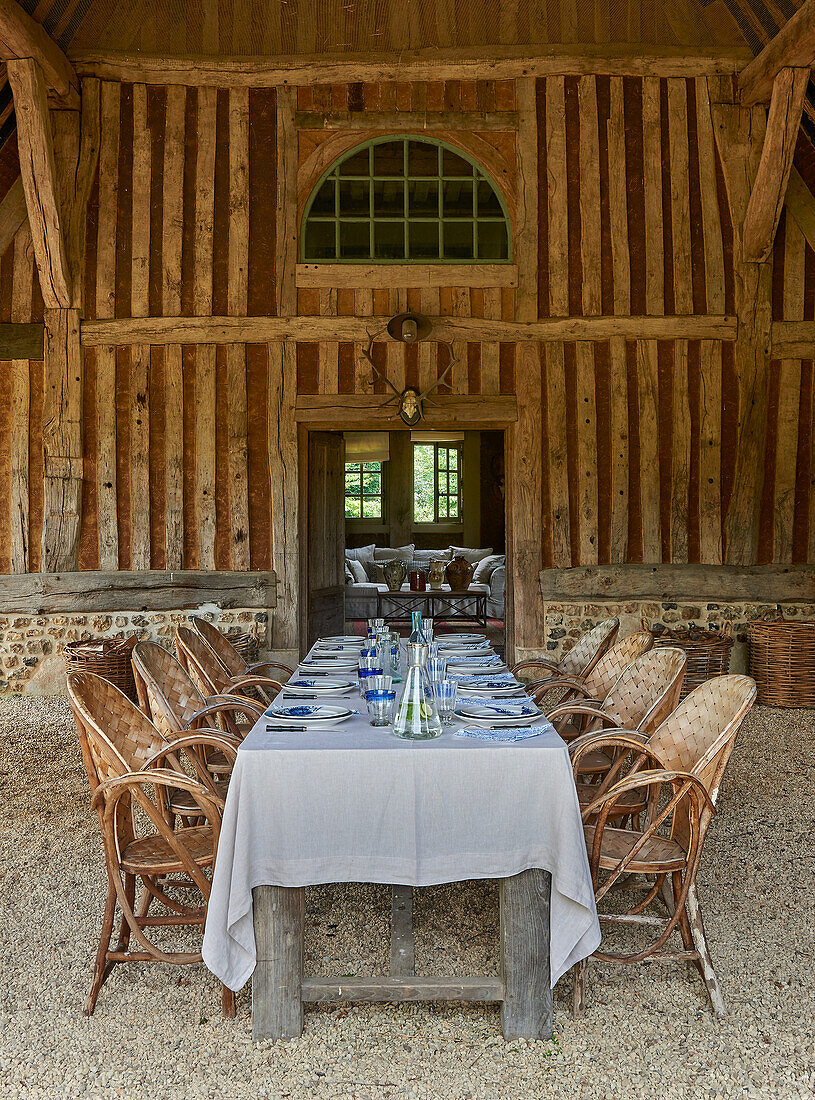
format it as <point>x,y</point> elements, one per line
<point>246,644</point>
<point>782,662</point>
<point>105,657</point>
<point>708,652</point>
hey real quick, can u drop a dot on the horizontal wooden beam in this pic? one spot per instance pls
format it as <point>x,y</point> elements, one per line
<point>153,590</point>
<point>406,120</point>
<point>407,275</point>
<point>793,47</point>
<point>406,988</point>
<point>22,36</point>
<point>707,583</point>
<point>350,410</point>
<point>259,330</point>
<point>793,340</point>
<point>494,63</point>
<point>21,341</point>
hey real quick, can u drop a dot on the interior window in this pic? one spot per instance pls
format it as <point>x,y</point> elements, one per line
<point>436,483</point>
<point>364,490</point>
<point>403,200</point>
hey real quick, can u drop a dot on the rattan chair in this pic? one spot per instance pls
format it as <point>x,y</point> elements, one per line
<point>209,676</point>
<point>680,770</point>
<point>229,657</point>
<point>596,685</point>
<point>581,658</point>
<point>130,764</point>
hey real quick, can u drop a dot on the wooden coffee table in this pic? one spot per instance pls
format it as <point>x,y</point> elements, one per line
<point>466,606</point>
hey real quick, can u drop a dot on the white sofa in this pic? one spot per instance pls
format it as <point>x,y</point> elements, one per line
<point>360,594</point>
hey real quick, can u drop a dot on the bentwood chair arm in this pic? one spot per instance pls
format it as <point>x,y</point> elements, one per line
<point>158,777</point>
<point>586,706</point>
<point>227,705</point>
<point>614,735</point>
<point>250,669</point>
<point>534,662</point>
<point>241,682</point>
<point>650,778</point>
<point>201,738</point>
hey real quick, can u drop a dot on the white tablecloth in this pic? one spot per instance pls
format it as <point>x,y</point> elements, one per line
<point>356,804</point>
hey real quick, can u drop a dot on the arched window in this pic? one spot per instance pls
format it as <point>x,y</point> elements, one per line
<point>405,200</point>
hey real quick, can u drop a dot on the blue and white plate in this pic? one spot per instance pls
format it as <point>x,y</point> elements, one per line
<point>342,639</point>
<point>325,685</point>
<point>460,639</point>
<point>341,663</point>
<point>322,713</point>
<point>498,721</point>
<point>498,711</point>
<point>454,652</point>
<point>496,689</point>
<point>463,647</point>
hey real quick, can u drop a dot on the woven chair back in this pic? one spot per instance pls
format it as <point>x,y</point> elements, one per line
<point>119,737</point>
<point>647,690</point>
<point>608,669</point>
<point>227,655</point>
<point>200,662</point>
<point>167,694</point>
<point>583,655</point>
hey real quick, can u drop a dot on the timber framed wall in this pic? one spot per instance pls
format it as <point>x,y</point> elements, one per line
<point>203,338</point>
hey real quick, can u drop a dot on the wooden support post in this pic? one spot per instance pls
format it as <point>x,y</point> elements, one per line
<point>526,1011</point>
<point>277,1006</point>
<point>402,939</point>
<point>61,440</point>
<point>792,47</point>
<point>23,37</point>
<point>739,133</point>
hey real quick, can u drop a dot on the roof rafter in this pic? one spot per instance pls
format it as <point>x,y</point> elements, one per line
<point>22,37</point>
<point>792,48</point>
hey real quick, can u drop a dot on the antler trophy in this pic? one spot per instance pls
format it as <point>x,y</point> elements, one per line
<point>409,328</point>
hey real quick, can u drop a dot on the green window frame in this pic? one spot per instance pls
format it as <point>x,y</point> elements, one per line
<point>406,199</point>
<point>447,466</point>
<point>365,491</point>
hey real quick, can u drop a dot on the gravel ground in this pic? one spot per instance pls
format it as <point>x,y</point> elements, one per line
<point>648,1031</point>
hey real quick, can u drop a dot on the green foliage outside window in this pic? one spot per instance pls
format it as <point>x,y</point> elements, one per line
<point>436,474</point>
<point>363,490</point>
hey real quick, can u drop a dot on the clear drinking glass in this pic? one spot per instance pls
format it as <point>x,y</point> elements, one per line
<point>369,665</point>
<point>377,682</point>
<point>445,693</point>
<point>380,707</point>
<point>395,668</point>
<point>436,667</point>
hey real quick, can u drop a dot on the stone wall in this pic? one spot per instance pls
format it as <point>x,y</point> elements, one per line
<point>565,622</point>
<point>31,660</point>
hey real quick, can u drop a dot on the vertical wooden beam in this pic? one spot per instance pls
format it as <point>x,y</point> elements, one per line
<point>282,396</point>
<point>461,308</point>
<point>428,353</point>
<point>237,294</point>
<point>558,225</point>
<point>739,133</point>
<point>38,171</point>
<point>140,353</point>
<point>648,407</point>
<point>205,353</point>
<point>789,395</point>
<point>171,237</point>
<point>618,400</point>
<point>618,200</point>
<point>524,531</point>
<point>23,278</point>
<point>491,351</point>
<point>62,440</point>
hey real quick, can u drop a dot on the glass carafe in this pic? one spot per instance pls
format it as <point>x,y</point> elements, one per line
<point>417,718</point>
<point>416,633</point>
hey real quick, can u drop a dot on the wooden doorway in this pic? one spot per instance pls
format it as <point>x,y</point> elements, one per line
<point>322,479</point>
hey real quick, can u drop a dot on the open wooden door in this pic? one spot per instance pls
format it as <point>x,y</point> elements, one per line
<point>325,565</point>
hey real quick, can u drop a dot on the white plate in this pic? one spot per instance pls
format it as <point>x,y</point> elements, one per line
<point>498,722</point>
<point>451,651</point>
<point>497,711</point>
<point>475,670</point>
<point>302,685</point>
<point>335,647</point>
<point>322,664</point>
<point>493,662</point>
<point>312,714</point>
<point>498,689</point>
<point>342,639</point>
<point>459,639</point>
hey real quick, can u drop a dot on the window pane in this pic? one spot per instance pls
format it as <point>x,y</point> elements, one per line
<point>488,204</point>
<point>320,241</point>
<point>492,241</point>
<point>423,240</point>
<point>356,165</point>
<point>458,199</point>
<point>372,508</point>
<point>423,510</point>
<point>324,199</point>
<point>389,197</point>
<point>423,197</point>
<point>452,458</point>
<point>389,159</point>
<point>371,482</point>
<point>453,511</point>
<point>355,240</point>
<point>389,240</point>
<point>352,507</point>
<point>458,240</point>
<point>454,165</point>
<point>354,197</point>
<point>423,159</point>
<point>453,482</point>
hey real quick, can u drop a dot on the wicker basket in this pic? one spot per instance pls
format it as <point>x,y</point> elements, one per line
<point>105,657</point>
<point>708,652</point>
<point>245,643</point>
<point>782,662</point>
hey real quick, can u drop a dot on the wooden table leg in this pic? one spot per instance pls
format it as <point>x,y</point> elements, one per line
<point>277,1006</point>
<point>402,939</point>
<point>526,1011</point>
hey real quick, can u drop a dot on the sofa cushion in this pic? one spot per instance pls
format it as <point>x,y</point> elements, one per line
<point>486,567</point>
<point>357,569</point>
<point>469,554</point>
<point>388,553</point>
<point>427,556</point>
<point>360,553</point>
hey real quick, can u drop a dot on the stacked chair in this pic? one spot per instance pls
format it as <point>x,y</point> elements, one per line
<point>210,676</point>
<point>159,808</point>
<point>226,653</point>
<point>581,658</point>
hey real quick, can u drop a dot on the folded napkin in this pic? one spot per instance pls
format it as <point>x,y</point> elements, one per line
<point>511,733</point>
<point>465,680</point>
